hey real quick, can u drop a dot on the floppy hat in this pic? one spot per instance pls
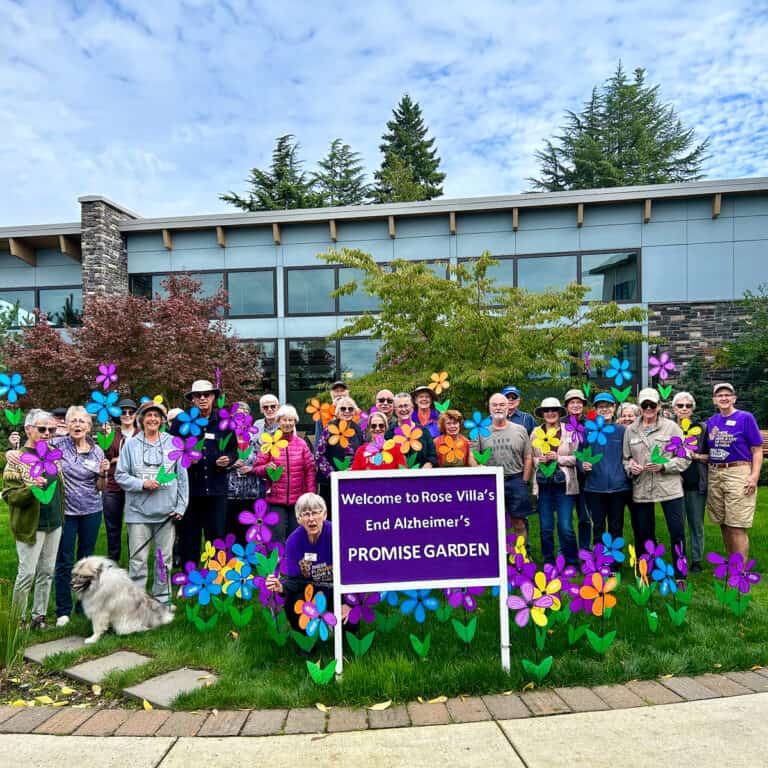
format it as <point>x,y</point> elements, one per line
<point>423,388</point>
<point>510,390</point>
<point>604,397</point>
<point>572,394</point>
<point>202,385</point>
<point>550,402</point>
<point>648,395</point>
<point>150,405</point>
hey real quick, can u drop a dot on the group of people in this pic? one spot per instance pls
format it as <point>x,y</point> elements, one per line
<point>577,463</point>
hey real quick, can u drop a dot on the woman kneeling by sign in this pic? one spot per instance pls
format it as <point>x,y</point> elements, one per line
<point>308,556</point>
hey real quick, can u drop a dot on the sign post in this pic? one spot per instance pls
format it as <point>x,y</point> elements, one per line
<point>419,529</point>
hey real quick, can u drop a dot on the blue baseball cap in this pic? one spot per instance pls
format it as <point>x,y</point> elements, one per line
<point>510,390</point>
<point>604,397</point>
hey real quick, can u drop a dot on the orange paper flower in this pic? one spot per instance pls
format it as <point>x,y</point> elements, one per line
<point>298,606</point>
<point>340,434</point>
<point>452,450</point>
<point>598,592</point>
<point>407,437</point>
<point>439,382</point>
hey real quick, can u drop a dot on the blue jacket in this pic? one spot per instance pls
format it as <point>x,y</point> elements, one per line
<point>608,475</point>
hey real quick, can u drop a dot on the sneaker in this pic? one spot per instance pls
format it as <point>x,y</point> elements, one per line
<point>696,568</point>
<point>38,623</point>
<point>62,621</point>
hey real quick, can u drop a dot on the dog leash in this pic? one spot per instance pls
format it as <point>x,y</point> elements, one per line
<point>152,536</point>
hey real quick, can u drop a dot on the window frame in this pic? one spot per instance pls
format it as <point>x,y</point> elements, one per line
<point>35,290</point>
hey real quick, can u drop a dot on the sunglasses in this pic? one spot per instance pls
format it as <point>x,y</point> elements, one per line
<point>550,410</point>
<point>376,427</point>
<point>346,407</point>
<point>270,407</point>
<point>129,411</point>
<point>684,405</point>
<point>648,406</point>
<point>45,430</point>
<point>384,400</point>
<point>200,395</point>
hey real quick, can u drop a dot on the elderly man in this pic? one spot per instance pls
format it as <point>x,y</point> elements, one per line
<point>426,457</point>
<point>574,402</point>
<point>385,403</point>
<point>510,449</point>
<point>735,457</point>
<point>339,389</point>
<point>268,405</point>
<point>514,414</point>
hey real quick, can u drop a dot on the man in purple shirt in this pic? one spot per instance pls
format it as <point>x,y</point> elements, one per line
<point>735,449</point>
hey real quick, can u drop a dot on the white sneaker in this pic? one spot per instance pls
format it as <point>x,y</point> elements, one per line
<point>62,621</point>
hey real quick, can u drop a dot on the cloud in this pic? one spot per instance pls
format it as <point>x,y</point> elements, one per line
<point>164,105</point>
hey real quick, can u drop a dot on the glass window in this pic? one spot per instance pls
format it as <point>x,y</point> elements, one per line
<point>309,291</point>
<point>546,272</point>
<point>63,306</point>
<point>251,293</point>
<point>359,301</point>
<point>357,356</point>
<point>610,276</point>
<point>21,305</point>
<point>503,273</point>
<point>141,285</point>
<point>311,365</point>
<point>626,351</point>
<point>266,366</point>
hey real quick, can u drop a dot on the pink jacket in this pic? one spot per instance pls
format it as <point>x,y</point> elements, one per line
<point>565,459</point>
<point>298,472</point>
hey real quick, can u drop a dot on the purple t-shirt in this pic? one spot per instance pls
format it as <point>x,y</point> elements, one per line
<point>310,561</point>
<point>731,438</point>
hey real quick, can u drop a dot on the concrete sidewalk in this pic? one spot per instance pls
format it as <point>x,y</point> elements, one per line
<point>714,732</point>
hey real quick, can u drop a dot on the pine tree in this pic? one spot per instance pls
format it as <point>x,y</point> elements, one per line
<point>406,139</point>
<point>341,178</point>
<point>284,185</point>
<point>624,136</point>
<point>397,178</point>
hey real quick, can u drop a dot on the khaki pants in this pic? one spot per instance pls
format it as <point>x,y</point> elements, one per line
<point>726,501</point>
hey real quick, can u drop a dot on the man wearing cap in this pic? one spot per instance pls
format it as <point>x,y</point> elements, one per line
<point>425,414</point>
<point>514,414</point>
<point>735,457</point>
<point>156,492</point>
<point>574,402</point>
<point>207,509</point>
<point>113,497</point>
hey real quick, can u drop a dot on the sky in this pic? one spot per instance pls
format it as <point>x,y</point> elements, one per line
<point>163,105</point>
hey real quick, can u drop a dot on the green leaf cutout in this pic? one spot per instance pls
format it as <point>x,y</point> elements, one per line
<point>465,632</point>
<point>241,618</point>
<point>482,458</point>
<point>739,604</point>
<point>601,644</point>
<point>321,675</point>
<point>224,442</point>
<point>537,671</point>
<point>164,477</point>
<point>386,623</point>
<point>443,407</point>
<point>206,626</point>
<point>586,389</point>
<point>244,454</point>
<point>621,394</point>
<point>575,633</point>
<point>219,604</point>
<point>200,444</point>
<point>105,441</point>
<point>677,616</point>
<point>44,496</point>
<point>192,611</point>
<point>221,400</point>
<point>360,645</point>
<point>304,642</point>
<point>421,647</point>
<point>13,416</point>
<point>653,619</point>
<point>342,465</point>
<point>587,455</point>
<point>685,597</point>
<point>640,596</point>
<point>266,566</point>
<point>657,457</point>
<point>540,633</point>
<point>665,392</point>
<point>548,469</point>
<point>276,473</point>
<point>411,460</point>
<point>443,613</point>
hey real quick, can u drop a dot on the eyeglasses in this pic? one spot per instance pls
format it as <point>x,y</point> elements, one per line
<point>385,400</point>
<point>683,405</point>
<point>266,407</point>
<point>648,406</point>
<point>346,407</point>
<point>201,395</point>
<point>45,430</point>
<point>725,394</point>
<point>129,411</point>
<point>311,513</point>
<point>377,427</point>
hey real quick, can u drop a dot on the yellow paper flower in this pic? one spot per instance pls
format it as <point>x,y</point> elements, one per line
<point>386,450</point>
<point>273,443</point>
<point>208,554</point>
<point>340,434</point>
<point>520,548</point>
<point>158,399</point>
<point>688,430</point>
<point>545,441</point>
<point>543,587</point>
<point>632,555</point>
<point>439,382</point>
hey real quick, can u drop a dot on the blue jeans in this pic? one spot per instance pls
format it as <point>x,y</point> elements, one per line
<point>84,529</point>
<point>553,499</point>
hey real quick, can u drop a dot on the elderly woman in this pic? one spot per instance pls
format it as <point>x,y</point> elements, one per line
<point>655,473</point>
<point>84,468</point>
<point>425,414</point>
<point>555,482</point>
<point>35,525</point>
<point>628,413</point>
<point>156,492</point>
<point>378,453</point>
<point>453,449</point>
<point>694,477</point>
<point>289,469</point>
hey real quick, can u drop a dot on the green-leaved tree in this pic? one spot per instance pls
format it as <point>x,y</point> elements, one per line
<point>340,179</point>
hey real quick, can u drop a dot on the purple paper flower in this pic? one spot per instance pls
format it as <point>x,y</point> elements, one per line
<point>518,571</point>
<point>361,607</point>
<point>179,579</point>
<point>677,447</point>
<point>741,576</point>
<point>227,417</point>
<point>259,521</point>
<point>619,371</point>
<point>226,543</point>
<point>463,597</point>
<point>652,551</point>
<point>107,375</point>
<point>524,604</point>
<point>596,561</point>
<point>579,603</point>
<point>660,366</point>
<point>575,428</point>
<point>42,460</point>
<point>185,452</point>
<point>11,387</point>
<point>160,566</point>
<point>559,570</point>
<point>363,421</point>
<point>682,560</point>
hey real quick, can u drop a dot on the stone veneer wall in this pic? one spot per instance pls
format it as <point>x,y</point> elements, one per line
<point>105,257</point>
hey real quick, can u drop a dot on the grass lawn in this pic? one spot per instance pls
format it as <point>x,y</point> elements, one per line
<point>254,672</point>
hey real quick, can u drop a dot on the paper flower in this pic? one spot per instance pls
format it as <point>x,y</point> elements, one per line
<point>201,584</point>
<point>103,406</point>
<point>597,430</point>
<point>42,461</point>
<point>520,570</point>
<point>598,591</point>
<point>240,582</point>
<point>11,387</point>
<point>313,618</point>
<point>545,440</point>
<point>439,382</point>
<point>107,375</point>
<point>478,426</point>
<point>228,417</point>
<point>361,419</point>
<point>453,450</point>
<point>643,568</point>
<point>587,365</point>
<point>463,597</point>
<point>259,521</point>
<point>741,576</point>
<point>246,553</point>
<point>391,597</point>
<point>184,451</point>
<point>559,570</point>
<point>619,371</point>
<point>682,560</point>
<point>545,586</point>
<point>417,602</point>
<point>273,443</point>
<point>528,607</point>
<point>664,574</point>
<point>322,412</point>
<point>181,578</point>
<point>379,450</point>
<point>361,607</point>
<point>191,423</point>
<point>340,434</point>
<point>613,547</point>
<point>226,543</point>
<point>677,447</point>
<point>407,437</point>
<point>660,366</point>
<point>576,428</point>
<point>691,434</point>
<point>652,551</point>
<point>220,564</point>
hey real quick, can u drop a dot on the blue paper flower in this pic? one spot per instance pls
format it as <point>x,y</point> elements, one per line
<point>619,371</point>
<point>246,553</point>
<point>478,426</point>
<point>191,423</point>
<point>240,582</point>
<point>665,575</point>
<point>417,601</point>
<point>322,619</point>
<point>11,387</point>
<point>597,430</point>
<point>103,405</point>
<point>392,597</point>
<point>613,547</point>
<point>201,583</point>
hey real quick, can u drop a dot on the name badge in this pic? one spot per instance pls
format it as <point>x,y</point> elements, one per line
<point>91,464</point>
<point>730,423</point>
<point>210,436</point>
<point>310,557</point>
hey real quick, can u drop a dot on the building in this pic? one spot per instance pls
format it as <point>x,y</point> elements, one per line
<point>685,252</point>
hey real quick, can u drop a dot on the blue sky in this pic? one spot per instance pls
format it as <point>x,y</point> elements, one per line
<point>162,105</point>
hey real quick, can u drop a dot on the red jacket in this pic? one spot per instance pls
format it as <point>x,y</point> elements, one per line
<point>298,474</point>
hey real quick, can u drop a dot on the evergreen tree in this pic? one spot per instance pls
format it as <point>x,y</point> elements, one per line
<point>341,178</point>
<point>284,185</point>
<point>624,136</point>
<point>406,139</point>
<point>397,178</point>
